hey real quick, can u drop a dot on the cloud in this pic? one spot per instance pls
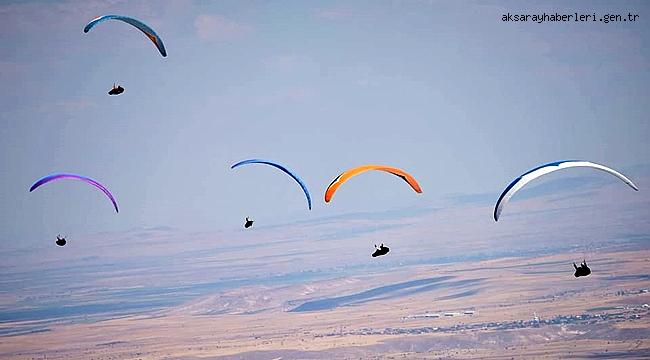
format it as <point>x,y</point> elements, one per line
<point>219,28</point>
<point>286,95</point>
<point>66,107</point>
<point>23,23</point>
<point>26,15</point>
<point>12,68</point>
<point>292,63</point>
<point>333,14</point>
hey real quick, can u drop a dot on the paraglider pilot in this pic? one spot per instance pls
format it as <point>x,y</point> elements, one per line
<point>116,90</point>
<point>248,223</point>
<point>381,250</point>
<point>582,270</point>
<point>60,241</point>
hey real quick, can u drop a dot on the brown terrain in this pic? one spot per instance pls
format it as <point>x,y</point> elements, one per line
<point>418,312</point>
<point>455,285</point>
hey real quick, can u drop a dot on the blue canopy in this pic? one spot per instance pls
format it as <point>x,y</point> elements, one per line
<point>281,167</point>
<point>135,22</point>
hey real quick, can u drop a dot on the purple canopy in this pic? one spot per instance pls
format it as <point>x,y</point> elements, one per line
<point>90,181</point>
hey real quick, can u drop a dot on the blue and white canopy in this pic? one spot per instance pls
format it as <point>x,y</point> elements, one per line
<point>533,174</point>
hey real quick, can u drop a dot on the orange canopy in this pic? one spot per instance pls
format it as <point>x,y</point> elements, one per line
<point>345,176</point>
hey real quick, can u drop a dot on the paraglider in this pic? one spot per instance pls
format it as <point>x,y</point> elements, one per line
<point>134,22</point>
<point>582,270</point>
<point>345,176</point>
<point>282,168</point>
<point>60,240</point>
<point>533,174</point>
<point>87,180</point>
<point>248,223</point>
<point>380,251</point>
<point>116,90</point>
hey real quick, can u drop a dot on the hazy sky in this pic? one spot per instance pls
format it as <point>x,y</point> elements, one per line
<point>444,90</point>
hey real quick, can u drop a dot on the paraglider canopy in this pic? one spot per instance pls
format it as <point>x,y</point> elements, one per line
<point>284,169</point>
<point>87,180</point>
<point>347,175</point>
<point>134,22</point>
<point>533,174</point>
